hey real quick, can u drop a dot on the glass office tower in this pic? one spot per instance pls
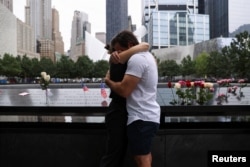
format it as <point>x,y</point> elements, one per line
<point>174,23</point>
<point>168,29</point>
<point>228,17</point>
<point>116,17</point>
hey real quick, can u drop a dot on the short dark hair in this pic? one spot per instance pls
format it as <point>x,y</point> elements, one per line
<point>124,38</point>
<point>108,48</point>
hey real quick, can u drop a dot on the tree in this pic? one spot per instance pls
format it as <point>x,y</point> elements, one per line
<point>10,66</point>
<point>47,65</point>
<point>84,67</point>
<point>201,64</point>
<point>36,69</point>
<point>187,66</point>
<point>169,68</point>
<point>65,67</point>
<point>217,65</point>
<point>100,68</point>
<point>26,65</point>
<point>239,55</point>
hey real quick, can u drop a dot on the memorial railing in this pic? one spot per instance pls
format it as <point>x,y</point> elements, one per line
<point>74,105</point>
<point>72,124</point>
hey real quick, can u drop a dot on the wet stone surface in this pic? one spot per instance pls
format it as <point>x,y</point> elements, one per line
<point>55,97</point>
<point>92,97</point>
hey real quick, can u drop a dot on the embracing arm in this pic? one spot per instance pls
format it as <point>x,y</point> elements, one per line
<point>125,87</point>
<point>125,55</point>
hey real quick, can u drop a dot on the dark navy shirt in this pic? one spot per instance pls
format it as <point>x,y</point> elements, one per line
<point>117,72</point>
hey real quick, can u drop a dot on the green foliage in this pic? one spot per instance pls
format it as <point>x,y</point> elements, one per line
<point>232,61</point>
<point>239,55</point>
<point>203,96</point>
<point>201,63</point>
<point>65,68</point>
<point>186,95</point>
<point>100,68</point>
<point>36,69</point>
<point>169,68</point>
<point>187,66</point>
<point>214,64</point>
<point>10,66</point>
<point>190,93</point>
<point>25,67</point>
<point>84,67</point>
<point>46,64</point>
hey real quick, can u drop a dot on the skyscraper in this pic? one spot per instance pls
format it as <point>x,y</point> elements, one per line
<point>26,40</point>
<point>56,34</point>
<point>80,24</point>
<point>17,38</point>
<point>227,17</point>
<point>8,4</point>
<point>8,32</point>
<point>116,17</point>
<point>173,23</point>
<point>38,14</point>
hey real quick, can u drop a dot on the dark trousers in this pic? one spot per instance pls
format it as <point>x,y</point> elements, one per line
<point>116,148</point>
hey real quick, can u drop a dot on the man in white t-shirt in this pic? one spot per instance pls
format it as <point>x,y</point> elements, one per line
<point>139,87</point>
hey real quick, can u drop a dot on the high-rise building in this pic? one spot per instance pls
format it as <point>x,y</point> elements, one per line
<point>25,40</point>
<point>8,32</point>
<point>38,14</point>
<point>17,38</point>
<point>116,17</point>
<point>173,23</point>
<point>80,24</point>
<point>202,7</point>
<point>131,26</point>
<point>56,34</point>
<point>227,17</point>
<point>47,49</point>
<point>101,36</point>
<point>8,4</point>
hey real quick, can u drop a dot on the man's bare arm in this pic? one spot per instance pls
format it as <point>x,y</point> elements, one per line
<point>125,87</point>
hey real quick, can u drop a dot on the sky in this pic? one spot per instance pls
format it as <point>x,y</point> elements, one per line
<point>96,10</point>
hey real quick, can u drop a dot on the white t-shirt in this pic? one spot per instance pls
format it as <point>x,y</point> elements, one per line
<point>142,104</point>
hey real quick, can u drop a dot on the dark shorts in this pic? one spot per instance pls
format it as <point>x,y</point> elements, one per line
<point>140,135</point>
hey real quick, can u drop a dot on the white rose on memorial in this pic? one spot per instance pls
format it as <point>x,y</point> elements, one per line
<point>45,80</point>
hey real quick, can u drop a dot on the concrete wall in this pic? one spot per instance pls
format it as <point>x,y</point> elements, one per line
<point>179,52</point>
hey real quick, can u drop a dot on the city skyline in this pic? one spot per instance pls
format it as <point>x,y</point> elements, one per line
<point>97,19</point>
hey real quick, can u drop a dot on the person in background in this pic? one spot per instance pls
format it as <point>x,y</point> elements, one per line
<point>139,87</point>
<point>116,117</point>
